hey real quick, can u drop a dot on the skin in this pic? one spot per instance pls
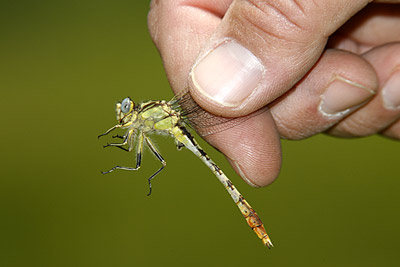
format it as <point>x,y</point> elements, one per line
<point>360,45</point>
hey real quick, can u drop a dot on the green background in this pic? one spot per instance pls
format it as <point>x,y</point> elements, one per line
<point>63,66</point>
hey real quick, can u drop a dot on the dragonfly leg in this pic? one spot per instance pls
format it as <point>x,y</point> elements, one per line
<point>159,157</point>
<point>110,130</point>
<point>117,144</point>
<point>121,168</point>
<point>154,175</point>
<point>138,156</point>
<point>120,145</point>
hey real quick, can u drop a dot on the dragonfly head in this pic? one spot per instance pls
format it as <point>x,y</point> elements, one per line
<point>125,111</point>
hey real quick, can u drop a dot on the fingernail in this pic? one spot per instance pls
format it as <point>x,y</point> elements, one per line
<point>228,74</point>
<point>391,92</point>
<point>241,173</point>
<point>343,94</point>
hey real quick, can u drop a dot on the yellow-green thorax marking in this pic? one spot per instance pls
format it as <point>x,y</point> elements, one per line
<point>162,117</point>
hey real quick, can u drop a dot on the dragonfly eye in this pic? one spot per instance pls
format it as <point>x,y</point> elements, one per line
<point>126,105</point>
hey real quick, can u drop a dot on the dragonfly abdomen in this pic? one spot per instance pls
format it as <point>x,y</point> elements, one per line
<point>252,219</point>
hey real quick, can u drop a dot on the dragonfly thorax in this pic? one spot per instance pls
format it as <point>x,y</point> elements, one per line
<point>156,116</point>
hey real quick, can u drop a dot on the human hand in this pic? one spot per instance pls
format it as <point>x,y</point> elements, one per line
<point>320,66</point>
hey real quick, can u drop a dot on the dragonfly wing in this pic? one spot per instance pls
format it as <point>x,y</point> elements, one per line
<point>204,122</point>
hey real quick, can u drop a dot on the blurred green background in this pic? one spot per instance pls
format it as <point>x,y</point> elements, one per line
<point>63,66</point>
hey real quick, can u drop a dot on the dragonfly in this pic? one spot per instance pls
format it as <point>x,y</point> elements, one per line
<point>170,117</point>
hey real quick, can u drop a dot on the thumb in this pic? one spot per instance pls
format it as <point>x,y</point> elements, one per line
<point>260,49</point>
